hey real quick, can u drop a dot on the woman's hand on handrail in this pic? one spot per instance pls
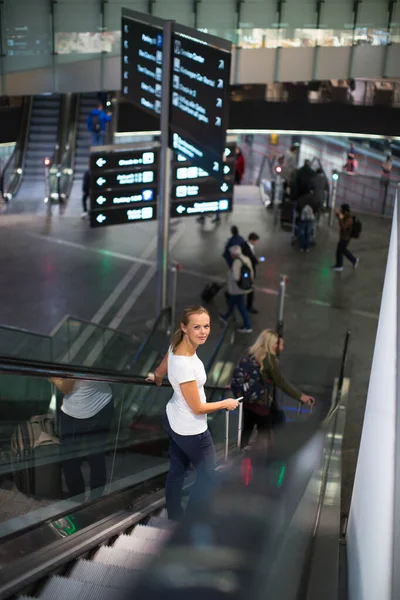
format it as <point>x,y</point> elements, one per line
<point>308,400</point>
<point>154,378</point>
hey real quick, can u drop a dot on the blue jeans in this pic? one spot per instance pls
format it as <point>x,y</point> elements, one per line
<point>183,450</point>
<point>306,229</point>
<point>238,301</point>
<point>98,138</point>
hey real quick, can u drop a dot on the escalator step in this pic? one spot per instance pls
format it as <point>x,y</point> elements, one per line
<point>102,574</point>
<point>121,558</point>
<point>63,588</point>
<point>160,523</point>
<point>145,532</point>
<point>127,542</point>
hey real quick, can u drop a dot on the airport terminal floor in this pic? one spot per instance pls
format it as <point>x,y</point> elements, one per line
<point>55,265</point>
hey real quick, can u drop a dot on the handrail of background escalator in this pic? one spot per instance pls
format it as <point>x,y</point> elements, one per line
<point>218,345</point>
<point>17,158</point>
<point>46,370</point>
<point>167,311</point>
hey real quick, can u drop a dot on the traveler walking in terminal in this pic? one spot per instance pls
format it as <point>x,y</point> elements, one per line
<point>306,221</point>
<point>240,284</point>
<point>240,166</point>
<point>249,250</point>
<point>186,415</point>
<point>387,165</point>
<point>320,190</point>
<point>84,423</point>
<point>345,219</point>
<point>96,123</point>
<point>289,168</point>
<point>85,192</point>
<point>304,177</point>
<point>256,378</point>
<point>234,240</point>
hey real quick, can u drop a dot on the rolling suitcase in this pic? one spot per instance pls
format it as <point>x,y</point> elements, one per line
<point>210,291</point>
<point>287,212</point>
<point>35,455</point>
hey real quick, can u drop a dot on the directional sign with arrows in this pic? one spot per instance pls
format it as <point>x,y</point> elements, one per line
<point>117,180</point>
<point>207,188</point>
<point>114,198</point>
<point>198,207</point>
<point>124,160</point>
<point>122,216</point>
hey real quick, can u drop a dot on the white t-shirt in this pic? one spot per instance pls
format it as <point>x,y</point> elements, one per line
<point>86,399</point>
<point>180,416</point>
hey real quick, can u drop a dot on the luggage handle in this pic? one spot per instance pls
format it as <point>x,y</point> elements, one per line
<point>239,436</point>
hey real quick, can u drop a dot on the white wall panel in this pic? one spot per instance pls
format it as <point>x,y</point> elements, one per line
<point>335,14</point>
<point>333,63</point>
<point>368,61</point>
<point>295,64</point>
<point>254,66</point>
<point>370,530</point>
<point>393,61</point>
<point>179,10</point>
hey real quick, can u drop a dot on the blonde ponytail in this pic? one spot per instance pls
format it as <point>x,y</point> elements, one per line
<point>176,340</point>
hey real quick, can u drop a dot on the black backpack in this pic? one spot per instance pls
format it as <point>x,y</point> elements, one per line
<point>357,227</point>
<point>96,123</point>
<point>245,281</point>
<point>247,382</point>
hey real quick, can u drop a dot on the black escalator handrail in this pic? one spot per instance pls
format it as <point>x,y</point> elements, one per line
<point>46,370</point>
<point>217,348</point>
<point>19,154</point>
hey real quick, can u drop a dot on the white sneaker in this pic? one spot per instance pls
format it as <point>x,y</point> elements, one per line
<point>243,330</point>
<point>337,269</point>
<point>84,215</point>
<point>356,263</point>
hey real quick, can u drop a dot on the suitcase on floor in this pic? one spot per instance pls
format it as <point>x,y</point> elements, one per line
<point>287,212</point>
<point>210,291</point>
<point>35,456</point>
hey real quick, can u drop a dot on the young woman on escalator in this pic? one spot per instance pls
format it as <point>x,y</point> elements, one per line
<point>186,413</point>
<point>255,378</point>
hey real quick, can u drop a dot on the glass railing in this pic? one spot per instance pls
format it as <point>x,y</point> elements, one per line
<point>79,342</point>
<point>51,461</point>
<point>23,344</point>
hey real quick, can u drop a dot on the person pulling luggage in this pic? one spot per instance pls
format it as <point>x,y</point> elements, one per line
<point>256,378</point>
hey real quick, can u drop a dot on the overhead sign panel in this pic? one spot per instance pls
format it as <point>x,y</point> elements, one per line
<point>205,187</point>
<point>111,199</point>
<point>199,98</point>
<point>119,180</point>
<point>124,160</point>
<point>141,62</point>
<point>122,216</point>
<point>189,208</point>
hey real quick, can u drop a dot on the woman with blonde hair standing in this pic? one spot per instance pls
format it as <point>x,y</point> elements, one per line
<point>187,410</point>
<point>256,378</point>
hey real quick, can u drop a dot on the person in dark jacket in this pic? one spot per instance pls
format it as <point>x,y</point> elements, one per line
<point>97,123</point>
<point>265,413</point>
<point>85,192</point>
<point>345,219</point>
<point>249,250</point>
<point>320,189</point>
<point>304,177</point>
<point>235,240</point>
<point>240,166</point>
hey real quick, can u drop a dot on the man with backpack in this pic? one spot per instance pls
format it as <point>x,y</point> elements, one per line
<point>96,123</point>
<point>305,210</point>
<point>349,227</point>
<point>240,284</point>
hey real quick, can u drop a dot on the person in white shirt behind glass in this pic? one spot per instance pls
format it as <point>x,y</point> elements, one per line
<point>249,250</point>
<point>84,424</point>
<point>186,413</point>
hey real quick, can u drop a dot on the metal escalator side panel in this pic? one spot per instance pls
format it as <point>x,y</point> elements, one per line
<point>13,171</point>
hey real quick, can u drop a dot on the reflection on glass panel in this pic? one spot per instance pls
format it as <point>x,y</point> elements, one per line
<point>88,42</point>
<point>26,34</point>
<point>288,38</point>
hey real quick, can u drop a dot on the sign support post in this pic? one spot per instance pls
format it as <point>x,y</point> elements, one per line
<point>164,180</point>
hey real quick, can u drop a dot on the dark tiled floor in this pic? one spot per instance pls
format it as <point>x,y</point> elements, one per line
<point>53,266</point>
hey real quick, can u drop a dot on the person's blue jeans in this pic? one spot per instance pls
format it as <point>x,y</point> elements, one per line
<point>306,228</point>
<point>183,450</point>
<point>238,301</point>
<point>98,138</point>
